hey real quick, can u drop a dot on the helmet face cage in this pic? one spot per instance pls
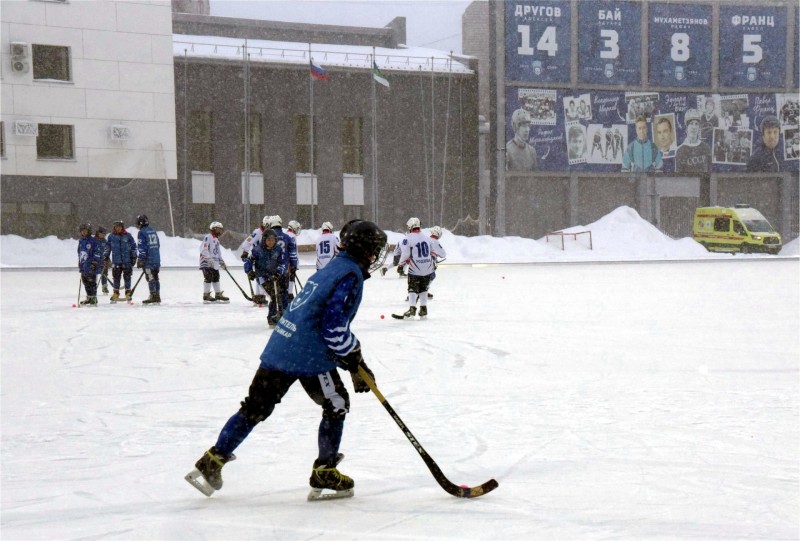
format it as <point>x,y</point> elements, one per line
<point>265,222</point>
<point>142,220</point>
<point>216,228</point>
<point>275,221</point>
<point>328,226</point>
<point>412,223</point>
<point>365,241</point>
<point>436,231</point>
<point>295,226</point>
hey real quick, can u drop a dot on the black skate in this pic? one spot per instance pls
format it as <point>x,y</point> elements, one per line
<point>411,312</point>
<point>423,312</point>
<point>207,473</point>
<point>327,477</point>
<point>207,298</point>
<point>219,297</point>
<point>154,298</point>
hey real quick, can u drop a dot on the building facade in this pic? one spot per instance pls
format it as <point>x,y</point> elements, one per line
<point>88,114</point>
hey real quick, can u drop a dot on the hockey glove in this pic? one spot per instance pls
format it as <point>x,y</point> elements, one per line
<point>140,264</point>
<point>222,265</point>
<point>251,275</point>
<point>93,267</point>
<point>244,256</point>
<point>359,385</point>
<point>351,361</point>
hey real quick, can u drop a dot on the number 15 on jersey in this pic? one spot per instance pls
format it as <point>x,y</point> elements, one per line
<point>537,37</point>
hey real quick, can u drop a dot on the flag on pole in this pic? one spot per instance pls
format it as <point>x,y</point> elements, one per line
<point>378,76</point>
<point>317,72</point>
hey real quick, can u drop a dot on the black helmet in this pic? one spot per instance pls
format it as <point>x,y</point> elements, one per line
<point>269,234</point>
<point>87,226</point>
<point>363,240</point>
<point>142,220</point>
<point>119,223</point>
<point>101,229</point>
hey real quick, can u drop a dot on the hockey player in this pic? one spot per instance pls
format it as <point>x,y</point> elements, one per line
<point>149,249</point>
<point>436,234</point>
<point>290,261</point>
<point>89,259</point>
<point>252,240</point>
<point>210,263</point>
<point>327,245</point>
<point>418,251</point>
<point>105,250</point>
<point>293,231</point>
<point>309,343</point>
<point>123,258</point>
<point>265,266</point>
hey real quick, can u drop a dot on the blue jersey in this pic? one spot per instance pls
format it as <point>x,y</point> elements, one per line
<point>267,263</point>
<point>89,252</point>
<point>315,328</point>
<point>104,248</point>
<point>149,248</point>
<point>123,249</point>
<point>289,246</point>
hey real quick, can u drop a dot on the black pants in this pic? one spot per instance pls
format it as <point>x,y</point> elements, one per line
<point>89,280</point>
<point>418,284</point>
<point>118,272</point>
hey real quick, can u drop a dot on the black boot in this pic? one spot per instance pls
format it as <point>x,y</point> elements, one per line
<point>210,465</point>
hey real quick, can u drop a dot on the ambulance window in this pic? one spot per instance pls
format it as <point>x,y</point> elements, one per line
<point>722,224</point>
<point>738,228</point>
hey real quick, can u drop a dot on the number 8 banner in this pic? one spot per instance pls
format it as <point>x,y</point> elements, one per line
<point>537,41</point>
<point>610,40</point>
<point>680,45</point>
<point>752,46</point>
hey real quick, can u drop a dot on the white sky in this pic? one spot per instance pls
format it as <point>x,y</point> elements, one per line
<point>434,24</point>
<point>639,400</point>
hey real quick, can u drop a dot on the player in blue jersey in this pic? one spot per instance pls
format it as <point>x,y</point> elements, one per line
<point>265,266</point>
<point>123,258</point>
<point>149,249</point>
<point>89,258</point>
<point>290,261</point>
<point>105,249</point>
<point>311,340</point>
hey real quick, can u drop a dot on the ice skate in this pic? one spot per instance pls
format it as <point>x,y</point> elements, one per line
<point>423,312</point>
<point>219,297</point>
<point>411,312</point>
<point>325,477</point>
<point>128,295</point>
<point>154,298</point>
<point>114,296</point>
<point>207,298</point>
<point>92,301</point>
<point>105,290</point>
<point>86,301</point>
<point>207,473</point>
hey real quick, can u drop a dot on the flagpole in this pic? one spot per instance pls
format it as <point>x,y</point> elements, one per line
<point>374,145</point>
<point>311,132</point>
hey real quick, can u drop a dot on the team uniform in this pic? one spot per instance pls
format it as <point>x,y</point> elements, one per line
<point>89,260</point>
<point>149,249</point>
<point>311,340</point>
<point>293,231</point>
<point>123,258</point>
<point>290,261</point>
<point>418,251</point>
<point>105,250</point>
<point>253,240</point>
<point>210,263</point>
<point>436,233</point>
<point>327,246</point>
<point>265,266</point>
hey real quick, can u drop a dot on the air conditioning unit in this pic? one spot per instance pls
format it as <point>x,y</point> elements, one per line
<point>26,128</point>
<point>119,132</point>
<point>20,57</point>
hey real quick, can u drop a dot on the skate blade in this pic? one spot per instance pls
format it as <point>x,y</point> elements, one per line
<point>196,479</point>
<point>320,494</point>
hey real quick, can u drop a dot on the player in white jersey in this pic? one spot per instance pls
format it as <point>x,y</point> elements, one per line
<point>293,230</point>
<point>436,234</point>
<point>210,263</point>
<point>418,251</point>
<point>254,239</point>
<point>327,245</point>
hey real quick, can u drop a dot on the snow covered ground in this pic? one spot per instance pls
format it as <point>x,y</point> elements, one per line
<point>656,397</point>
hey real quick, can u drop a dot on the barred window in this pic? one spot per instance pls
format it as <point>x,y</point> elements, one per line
<point>51,62</point>
<point>302,145</point>
<point>201,150</point>
<point>254,126</point>
<point>352,151</point>
<point>55,141</point>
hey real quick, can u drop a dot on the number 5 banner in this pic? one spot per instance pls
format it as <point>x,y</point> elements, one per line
<point>752,46</point>
<point>610,39</point>
<point>537,41</point>
<point>680,45</point>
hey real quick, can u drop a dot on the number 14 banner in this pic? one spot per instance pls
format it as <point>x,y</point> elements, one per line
<point>538,41</point>
<point>680,45</point>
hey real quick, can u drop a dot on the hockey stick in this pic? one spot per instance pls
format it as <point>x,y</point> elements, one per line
<point>444,482</point>
<point>137,283</point>
<point>299,283</point>
<point>237,285</point>
<point>80,283</point>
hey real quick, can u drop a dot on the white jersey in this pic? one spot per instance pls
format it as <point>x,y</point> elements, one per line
<point>327,248</point>
<point>419,251</point>
<point>210,252</point>
<point>252,240</point>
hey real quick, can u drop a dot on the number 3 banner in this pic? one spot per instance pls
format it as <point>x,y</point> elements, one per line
<point>610,42</point>
<point>537,41</point>
<point>752,46</point>
<point>680,45</point>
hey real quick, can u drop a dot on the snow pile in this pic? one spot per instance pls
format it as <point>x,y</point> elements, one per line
<point>621,235</point>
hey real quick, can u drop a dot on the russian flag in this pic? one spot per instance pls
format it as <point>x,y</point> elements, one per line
<point>317,72</point>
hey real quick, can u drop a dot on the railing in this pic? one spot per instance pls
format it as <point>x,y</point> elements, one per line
<point>574,235</point>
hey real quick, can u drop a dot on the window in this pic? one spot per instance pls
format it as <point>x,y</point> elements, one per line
<point>2,139</point>
<point>55,142</point>
<point>201,151</point>
<point>352,153</point>
<point>51,62</point>
<point>254,126</point>
<point>722,224</point>
<point>302,145</point>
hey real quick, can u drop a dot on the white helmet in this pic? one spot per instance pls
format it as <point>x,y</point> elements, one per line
<point>216,228</point>
<point>265,221</point>
<point>275,220</point>
<point>295,226</point>
<point>412,223</point>
<point>328,226</point>
<point>436,231</point>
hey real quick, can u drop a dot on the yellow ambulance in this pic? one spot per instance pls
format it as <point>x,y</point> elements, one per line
<point>738,229</point>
